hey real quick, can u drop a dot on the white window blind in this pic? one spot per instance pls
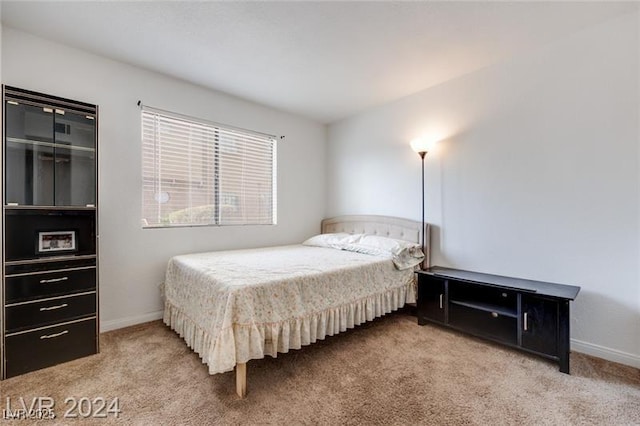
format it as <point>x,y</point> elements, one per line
<point>199,173</point>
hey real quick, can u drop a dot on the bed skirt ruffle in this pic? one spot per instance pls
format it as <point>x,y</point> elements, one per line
<point>240,343</point>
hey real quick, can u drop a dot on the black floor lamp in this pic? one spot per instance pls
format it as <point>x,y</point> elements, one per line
<point>422,146</point>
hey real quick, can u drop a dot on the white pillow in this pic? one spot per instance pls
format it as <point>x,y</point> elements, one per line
<point>366,249</point>
<point>403,253</point>
<point>384,243</point>
<point>336,240</point>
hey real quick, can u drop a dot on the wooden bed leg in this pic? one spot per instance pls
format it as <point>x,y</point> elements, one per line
<point>241,379</point>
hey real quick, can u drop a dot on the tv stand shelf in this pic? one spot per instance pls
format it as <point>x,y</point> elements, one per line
<point>486,307</point>
<point>532,316</point>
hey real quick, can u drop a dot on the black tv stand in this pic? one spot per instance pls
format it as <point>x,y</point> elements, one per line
<point>532,316</point>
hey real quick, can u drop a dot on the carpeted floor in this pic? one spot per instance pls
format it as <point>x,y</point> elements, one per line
<point>388,372</point>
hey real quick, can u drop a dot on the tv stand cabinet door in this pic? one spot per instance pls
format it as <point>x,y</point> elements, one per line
<point>432,299</point>
<point>540,325</point>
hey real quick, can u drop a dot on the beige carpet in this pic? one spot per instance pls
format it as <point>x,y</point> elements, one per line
<point>388,372</point>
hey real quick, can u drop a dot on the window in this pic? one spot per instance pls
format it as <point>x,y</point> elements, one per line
<point>199,173</point>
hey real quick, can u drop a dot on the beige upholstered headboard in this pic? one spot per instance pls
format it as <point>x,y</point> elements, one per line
<point>386,226</point>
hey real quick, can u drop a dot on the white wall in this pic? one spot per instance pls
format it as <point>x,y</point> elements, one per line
<point>132,260</point>
<point>537,175</point>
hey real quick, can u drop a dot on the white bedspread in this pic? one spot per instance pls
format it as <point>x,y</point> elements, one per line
<point>233,306</point>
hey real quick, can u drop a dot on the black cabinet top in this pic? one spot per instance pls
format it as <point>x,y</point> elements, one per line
<point>539,287</point>
<point>54,101</point>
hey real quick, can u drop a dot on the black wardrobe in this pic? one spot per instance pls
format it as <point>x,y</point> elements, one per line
<point>49,231</point>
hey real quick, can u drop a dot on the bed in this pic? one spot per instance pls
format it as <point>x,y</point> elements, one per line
<point>234,306</point>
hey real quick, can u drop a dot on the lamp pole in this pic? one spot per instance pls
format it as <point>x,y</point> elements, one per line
<point>422,146</point>
<point>422,155</point>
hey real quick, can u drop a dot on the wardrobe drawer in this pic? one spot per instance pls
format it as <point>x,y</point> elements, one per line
<point>39,285</point>
<point>49,311</point>
<point>49,346</point>
<point>48,265</point>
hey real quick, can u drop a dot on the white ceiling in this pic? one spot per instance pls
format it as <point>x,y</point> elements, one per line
<point>322,60</point>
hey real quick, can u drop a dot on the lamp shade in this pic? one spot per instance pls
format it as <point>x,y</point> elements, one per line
<point>422,145</point>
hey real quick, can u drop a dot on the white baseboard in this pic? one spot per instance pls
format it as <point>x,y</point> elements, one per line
<point>605,353</point>
<point>128,321</point>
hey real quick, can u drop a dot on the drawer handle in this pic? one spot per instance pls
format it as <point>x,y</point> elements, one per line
<point>51,336</point>
<point>526,320</point>
<point>53,280</point>
<point>51,308</point>
<point>441,298</point>
<point>494,314</point>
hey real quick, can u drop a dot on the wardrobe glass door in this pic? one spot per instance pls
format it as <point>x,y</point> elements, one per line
<point>75,129</point>
<point>28,122</point>
<point>75,176</point>
<point>29,168</point>
<point>29,157</point>
<point>75,171</point>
